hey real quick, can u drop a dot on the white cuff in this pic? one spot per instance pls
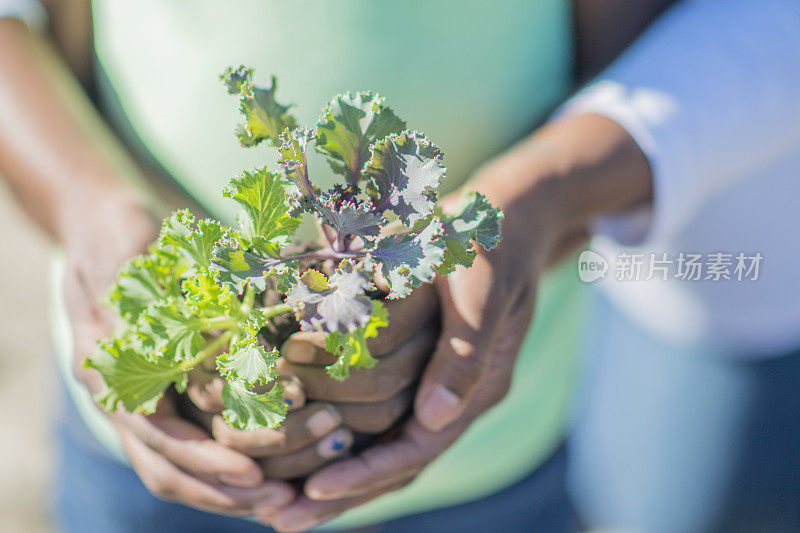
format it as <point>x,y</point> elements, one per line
<point>31,12</point>
<point>708,104</point>
<point>635,111</point>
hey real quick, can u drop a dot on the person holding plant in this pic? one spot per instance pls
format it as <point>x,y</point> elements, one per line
<point>61,158</point>
<point>551,185</point>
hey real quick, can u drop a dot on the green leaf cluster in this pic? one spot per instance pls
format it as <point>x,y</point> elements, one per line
<point>199,295</point>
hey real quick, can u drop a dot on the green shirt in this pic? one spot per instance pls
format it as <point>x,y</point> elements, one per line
<point>474,76</point>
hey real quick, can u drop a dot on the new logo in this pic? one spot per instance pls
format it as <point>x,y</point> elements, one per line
<point>591,266</point>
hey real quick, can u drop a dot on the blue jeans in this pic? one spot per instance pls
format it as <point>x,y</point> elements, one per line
<point>96,494</point>
<point>676,439</point>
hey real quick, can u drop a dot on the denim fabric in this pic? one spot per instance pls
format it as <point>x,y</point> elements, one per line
<point>672,438</point>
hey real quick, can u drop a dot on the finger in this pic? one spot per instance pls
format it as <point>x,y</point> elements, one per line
<point>376,417</point>
<point>470,313</point>
<point>406,317</point>
<point>393,374</point>
<point>293,394</point>
<point>87,328</point>
<point>300,429</point>
<point>310,458</point>
<point>164,480</point>
<point>191,449</point>
<point>304,513</point>
<point>205,389</point>
<point>307,348</point>
<point>382,464</point>
<point>416,446</point>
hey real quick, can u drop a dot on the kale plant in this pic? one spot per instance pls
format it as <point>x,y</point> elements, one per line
<point>205,291</point>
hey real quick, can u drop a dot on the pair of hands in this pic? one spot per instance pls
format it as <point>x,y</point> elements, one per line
<point>473,321</point>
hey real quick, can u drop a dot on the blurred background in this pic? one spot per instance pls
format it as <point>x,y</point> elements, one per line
<point>27,375</point>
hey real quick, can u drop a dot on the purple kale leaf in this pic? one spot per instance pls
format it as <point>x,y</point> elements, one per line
<point>408,260</point>
<point>338,303</point>
<point>403,175</point>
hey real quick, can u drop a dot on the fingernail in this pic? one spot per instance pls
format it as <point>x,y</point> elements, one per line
<point>461,347</point>
<point>267,506</point>
<point>247,479</point>
<point>299,352</point>
<point>293,395</point>
<point>324,421</point>
<point>335,444</point>
<point>439,408</point>
<point>297,522</point>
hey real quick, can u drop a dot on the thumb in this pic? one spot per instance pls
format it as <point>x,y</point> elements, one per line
<point>469,322</point>
<point>87,327</point>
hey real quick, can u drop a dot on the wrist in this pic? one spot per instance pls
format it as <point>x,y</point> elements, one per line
<point>91,209</point>
<point>555,183</point>
<point>520,185</point>
<point>600,170</point>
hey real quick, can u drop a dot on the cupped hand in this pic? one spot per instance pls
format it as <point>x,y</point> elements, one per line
<point>390,465</point>
<point>175,459</point>
<point>337,414</point>
<point>485,314</point>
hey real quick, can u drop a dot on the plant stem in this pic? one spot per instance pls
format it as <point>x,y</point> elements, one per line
<point>340,244</point>
<point>219,322</point>
<point>211,348</point>
<point>323,254</point>
<point>326,233</point>
<point>275,310</point>
<point>248,300</point>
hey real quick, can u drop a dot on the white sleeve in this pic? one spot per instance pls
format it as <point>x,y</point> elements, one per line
<point>31,12</point>
<point>711,92</point>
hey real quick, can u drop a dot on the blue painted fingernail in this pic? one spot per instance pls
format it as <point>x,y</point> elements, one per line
<point>335,443</point>
<point>293,395</point>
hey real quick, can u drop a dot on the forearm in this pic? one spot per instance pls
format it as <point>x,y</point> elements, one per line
<point>55,151</point>
<point>553,184</point>
<point>710,104</point>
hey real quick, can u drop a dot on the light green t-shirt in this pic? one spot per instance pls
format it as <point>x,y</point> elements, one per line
<point>474,76</point>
